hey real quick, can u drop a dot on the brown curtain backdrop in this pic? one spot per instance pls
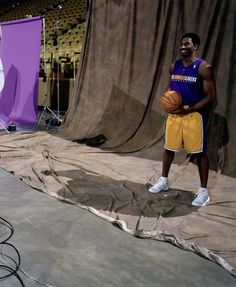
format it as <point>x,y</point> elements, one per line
<point>129,47</point>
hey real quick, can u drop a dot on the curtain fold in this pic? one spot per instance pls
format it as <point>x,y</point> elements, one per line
<point>129,47</point>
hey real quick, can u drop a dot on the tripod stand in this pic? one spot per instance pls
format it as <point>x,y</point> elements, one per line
<point>46,108</point>
<point>3,126</point>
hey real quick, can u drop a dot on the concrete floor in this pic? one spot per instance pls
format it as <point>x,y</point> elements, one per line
<point>65,246</point>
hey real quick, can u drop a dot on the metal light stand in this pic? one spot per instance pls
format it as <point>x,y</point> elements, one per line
<point>46,108</point>
<point>58,57</point>
<point>57,30</point>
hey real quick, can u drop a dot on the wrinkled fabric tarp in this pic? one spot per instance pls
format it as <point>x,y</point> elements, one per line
<point>129,47</point>
<point>115,187</point>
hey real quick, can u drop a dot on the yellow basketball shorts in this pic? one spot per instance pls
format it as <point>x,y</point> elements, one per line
<point>185,132</point>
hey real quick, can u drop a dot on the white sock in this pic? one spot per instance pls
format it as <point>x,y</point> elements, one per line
<point>165,179</point>
<point>204,189</point>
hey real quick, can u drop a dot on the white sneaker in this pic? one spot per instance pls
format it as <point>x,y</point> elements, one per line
<point>202,197</point>
<point>162,184</point>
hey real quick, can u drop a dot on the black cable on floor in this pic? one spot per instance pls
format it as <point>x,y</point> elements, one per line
<point>3,243</point>
<point>13,274</point>
<point>17,264</point>
<point>9,226</point>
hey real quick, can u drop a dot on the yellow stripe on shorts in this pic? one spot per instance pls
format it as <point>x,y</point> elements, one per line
<point>184,132</point>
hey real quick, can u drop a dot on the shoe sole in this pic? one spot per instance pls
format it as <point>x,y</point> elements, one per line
<point>204,204</point>
<point>158,191</point>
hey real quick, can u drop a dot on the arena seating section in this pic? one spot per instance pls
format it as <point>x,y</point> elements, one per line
<point>64,30</point>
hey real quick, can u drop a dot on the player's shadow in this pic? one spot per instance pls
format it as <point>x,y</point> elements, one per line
<point>217,138</point>
<point>217,141</point>
<point>122,196</point>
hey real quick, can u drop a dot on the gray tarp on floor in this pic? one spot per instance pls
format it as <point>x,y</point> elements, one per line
<point>114,187</point>
<point>129,47</point>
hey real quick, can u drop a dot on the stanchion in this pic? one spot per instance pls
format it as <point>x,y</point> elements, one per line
<point>46,109</point>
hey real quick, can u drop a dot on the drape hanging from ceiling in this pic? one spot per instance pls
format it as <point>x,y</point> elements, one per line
<point>129,47</point>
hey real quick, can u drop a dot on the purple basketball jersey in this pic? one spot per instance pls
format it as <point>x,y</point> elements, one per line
<point>187,82</point>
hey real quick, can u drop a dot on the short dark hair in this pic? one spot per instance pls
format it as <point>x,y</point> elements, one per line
<point>195,38</point>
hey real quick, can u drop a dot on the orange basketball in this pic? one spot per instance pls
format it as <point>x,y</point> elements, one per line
<point>170,101</point>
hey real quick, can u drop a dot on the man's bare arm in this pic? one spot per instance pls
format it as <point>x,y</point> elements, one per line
<point>206,72</point>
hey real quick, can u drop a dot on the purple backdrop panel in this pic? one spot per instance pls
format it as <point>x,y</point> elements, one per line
<point>20,56</point>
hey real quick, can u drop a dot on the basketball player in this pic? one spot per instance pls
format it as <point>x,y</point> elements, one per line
<point>192,78</point>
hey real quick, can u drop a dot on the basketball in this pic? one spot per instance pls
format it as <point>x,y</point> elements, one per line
<point>170,101</point>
